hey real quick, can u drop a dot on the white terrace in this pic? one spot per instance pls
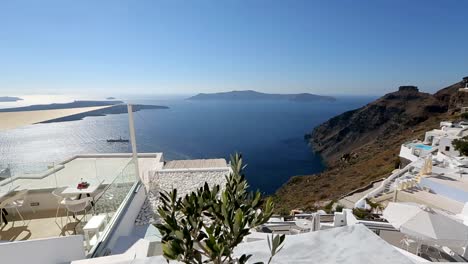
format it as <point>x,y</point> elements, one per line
<point>38,204</point>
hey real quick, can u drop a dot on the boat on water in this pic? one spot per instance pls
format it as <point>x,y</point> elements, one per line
<point>120,139</point>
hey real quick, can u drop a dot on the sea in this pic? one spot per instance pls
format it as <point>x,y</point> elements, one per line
<point>268,134</point>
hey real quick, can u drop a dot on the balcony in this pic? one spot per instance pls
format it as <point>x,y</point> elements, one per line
<point>44,201</point>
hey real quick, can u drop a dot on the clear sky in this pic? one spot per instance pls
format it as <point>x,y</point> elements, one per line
<point>186,47</point>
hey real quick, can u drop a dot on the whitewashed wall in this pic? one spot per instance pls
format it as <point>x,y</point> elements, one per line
<point>447,142</point>
<point>407,153</point>
<point>55,250</point>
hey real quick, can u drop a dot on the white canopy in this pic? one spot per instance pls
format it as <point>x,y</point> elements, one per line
<point>348,244</point>
<point>426,224</point>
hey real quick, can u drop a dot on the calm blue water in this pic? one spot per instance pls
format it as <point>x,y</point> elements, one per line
<point>422,146</point>
<point>269,134</point>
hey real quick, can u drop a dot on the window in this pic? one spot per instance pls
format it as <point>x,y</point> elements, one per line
<point>447,148</point>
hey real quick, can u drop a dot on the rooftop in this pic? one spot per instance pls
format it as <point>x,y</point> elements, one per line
<point>430,199</point>
<point>451,180</point>
<point>348,244</point>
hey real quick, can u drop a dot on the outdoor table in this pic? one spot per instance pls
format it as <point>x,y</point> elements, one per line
<point>75,191</point>
<point>93,187</point>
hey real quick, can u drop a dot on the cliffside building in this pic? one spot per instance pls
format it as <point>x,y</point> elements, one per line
<point>436,141</point>
<point>465,83</point>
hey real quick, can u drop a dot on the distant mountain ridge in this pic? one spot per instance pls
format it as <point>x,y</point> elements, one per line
<point>254,95</point>
<point>74,104</point>
<point>117,107</point>
<point>9,99</point>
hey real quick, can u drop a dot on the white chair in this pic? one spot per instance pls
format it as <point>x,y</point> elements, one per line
<point>57,193</point>
<point>14,202</point>
<point>77,206</point>
<point>406,241</point>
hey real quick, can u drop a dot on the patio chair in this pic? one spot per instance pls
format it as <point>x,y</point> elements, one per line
<point>76,206</point>
<point>3,213</point>
<point>14,202</point>
<point>57,193</point>
<point>406,241</point>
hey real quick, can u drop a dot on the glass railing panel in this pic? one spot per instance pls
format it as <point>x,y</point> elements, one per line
<point>31,176</point>
<point>5,180</point>
<point>108,200</point>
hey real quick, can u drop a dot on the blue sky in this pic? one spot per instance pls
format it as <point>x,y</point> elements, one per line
<point>186,47</point>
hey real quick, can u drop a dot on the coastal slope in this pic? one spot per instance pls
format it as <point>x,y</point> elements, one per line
<point>117,107</point>
<point>253,95</point>
<point>362,145</point>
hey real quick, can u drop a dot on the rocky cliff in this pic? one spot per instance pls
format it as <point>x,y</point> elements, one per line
<point>362,145</point>
<point>378,120</point>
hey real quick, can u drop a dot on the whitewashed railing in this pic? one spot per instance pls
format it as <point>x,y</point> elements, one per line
<point>361,203</point>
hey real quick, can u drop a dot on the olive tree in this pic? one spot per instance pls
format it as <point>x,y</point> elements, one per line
<point>206,225</point>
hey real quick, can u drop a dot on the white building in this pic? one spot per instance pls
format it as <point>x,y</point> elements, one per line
<point>442,186</point>
<point>435,141</point>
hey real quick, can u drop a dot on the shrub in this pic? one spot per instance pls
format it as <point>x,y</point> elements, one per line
<point>461,145</point>
<point>328,207</point>
<point>209,223</point>
<point>362,213</point>
<point>295,180</point>
<point>397,163</point>
<point>339,208</point>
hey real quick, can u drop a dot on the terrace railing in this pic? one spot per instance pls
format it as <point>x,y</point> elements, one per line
<point>116,181</point>
<point>110,202</point>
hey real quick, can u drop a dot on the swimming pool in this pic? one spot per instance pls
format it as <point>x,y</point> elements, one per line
<point>422,146</point>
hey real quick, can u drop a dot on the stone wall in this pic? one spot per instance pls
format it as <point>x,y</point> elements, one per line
<point>184,180</point>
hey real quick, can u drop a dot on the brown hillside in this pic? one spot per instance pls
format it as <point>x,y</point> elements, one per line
<point>362,145</point>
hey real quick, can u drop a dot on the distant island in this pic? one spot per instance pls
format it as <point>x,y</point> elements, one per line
<point>253,95</point>
<point>118,107</point>
<point>9,99</point>
<point>110,98</point>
